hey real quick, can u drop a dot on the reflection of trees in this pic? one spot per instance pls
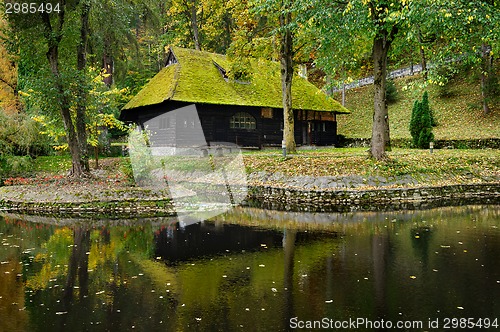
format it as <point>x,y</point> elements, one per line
<point>78,264</point>
<point>12,294</point>
<point>77,267</point>
<point>380,252</point>
<point>289,236</point>
<point>50,262</point>
<point>420,239</point>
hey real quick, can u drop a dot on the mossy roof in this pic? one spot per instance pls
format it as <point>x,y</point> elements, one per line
<point>196,79</point>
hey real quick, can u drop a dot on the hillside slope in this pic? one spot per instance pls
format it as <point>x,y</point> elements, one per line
<point>458,113</point>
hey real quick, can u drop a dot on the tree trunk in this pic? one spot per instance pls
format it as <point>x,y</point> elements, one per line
<point>286,45</point>
<point>108,62</point>
<point>108,67</point>
<point>65,112</point>
<point>423,59</point>
<point>380,140</point>
<point>194,26</point>
<point>53,38</point>
<point>81,108</point>
<point>485,72</point>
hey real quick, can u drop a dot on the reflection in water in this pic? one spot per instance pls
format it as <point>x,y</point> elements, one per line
<point>227,274</point>
<point>174,243</point>
<point>380,257</point>
<point>289,236</point>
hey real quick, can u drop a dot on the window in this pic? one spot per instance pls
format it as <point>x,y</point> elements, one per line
<point>242,120</point>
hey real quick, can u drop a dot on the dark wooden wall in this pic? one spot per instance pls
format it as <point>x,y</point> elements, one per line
<point>310,128</point>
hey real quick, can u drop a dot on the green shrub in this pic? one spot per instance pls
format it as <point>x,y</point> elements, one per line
<point>427,109</point>
<point>391,92</point>
<point>14,165</point>
<point>421,123</point>
<point>126,169</point>
<point>20,135</point>
<point>425,137</point>
<point>415,122</point>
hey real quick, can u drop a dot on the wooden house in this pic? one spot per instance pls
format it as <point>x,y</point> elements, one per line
<point>248,113</point>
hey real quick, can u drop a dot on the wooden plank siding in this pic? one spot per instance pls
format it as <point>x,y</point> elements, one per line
<point>316,128</point>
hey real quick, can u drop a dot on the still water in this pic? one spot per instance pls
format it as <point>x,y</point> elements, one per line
<point>251,270</point>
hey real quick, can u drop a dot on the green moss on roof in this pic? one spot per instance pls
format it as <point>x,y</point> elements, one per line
<point>159,88</point>
<point>195,79</point>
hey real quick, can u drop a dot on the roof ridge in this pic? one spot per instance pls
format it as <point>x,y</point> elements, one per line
<point>177,72</point>
<point>196,78</point>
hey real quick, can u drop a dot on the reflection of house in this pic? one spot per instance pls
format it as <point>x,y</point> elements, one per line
<point>246,113</point>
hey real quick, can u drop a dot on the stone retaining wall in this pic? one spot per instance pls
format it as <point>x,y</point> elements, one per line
<point>378,199</point>
<point>287,199</point>
<point>92,209</point>
<point>484,143</point>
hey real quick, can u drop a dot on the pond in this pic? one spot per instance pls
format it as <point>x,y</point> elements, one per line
<point>253,270</point>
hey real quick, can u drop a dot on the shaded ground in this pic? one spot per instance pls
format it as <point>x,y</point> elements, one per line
<point>107,184</point>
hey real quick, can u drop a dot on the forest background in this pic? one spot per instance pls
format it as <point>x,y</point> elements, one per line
<point>68,68</point>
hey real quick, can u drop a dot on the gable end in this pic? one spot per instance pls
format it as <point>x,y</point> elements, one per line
<point>171,59</point>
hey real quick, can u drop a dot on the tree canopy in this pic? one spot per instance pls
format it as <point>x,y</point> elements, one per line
<point>49,62</point>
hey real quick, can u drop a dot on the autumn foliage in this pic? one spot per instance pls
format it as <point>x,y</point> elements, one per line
<point>9,99</point>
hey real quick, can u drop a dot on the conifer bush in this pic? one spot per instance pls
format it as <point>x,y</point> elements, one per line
<point>391,92</point>
<point>421,123</point>
<point>427,109</point>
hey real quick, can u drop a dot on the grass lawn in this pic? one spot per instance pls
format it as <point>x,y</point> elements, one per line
<point>51,164</point>
<point>459,113</point>
<point>443,166</point>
